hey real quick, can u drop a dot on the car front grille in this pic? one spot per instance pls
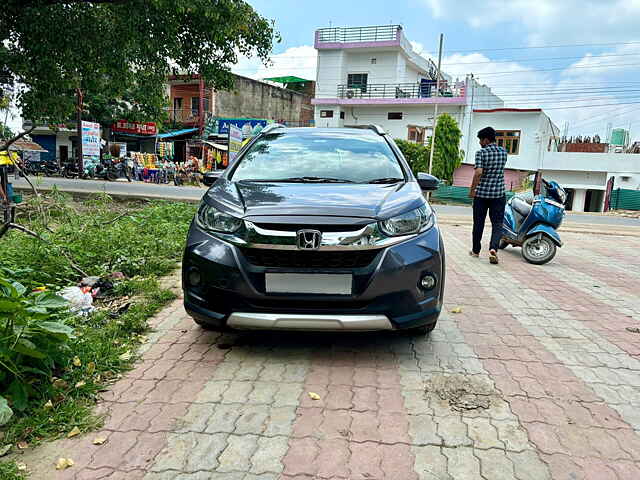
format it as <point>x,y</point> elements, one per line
<point>315,259</point>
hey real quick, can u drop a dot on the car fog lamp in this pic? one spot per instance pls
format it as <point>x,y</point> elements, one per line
<point>194,277</point>
<point>427,282</point>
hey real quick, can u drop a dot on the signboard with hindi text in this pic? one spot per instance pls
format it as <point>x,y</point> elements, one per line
<point>91,141</point>
<point>235,141</point>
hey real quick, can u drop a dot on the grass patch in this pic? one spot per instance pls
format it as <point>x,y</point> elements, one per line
<point>143,240</point>
<point>10,471</point>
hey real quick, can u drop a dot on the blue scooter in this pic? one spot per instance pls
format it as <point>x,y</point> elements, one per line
<point>531,223</point>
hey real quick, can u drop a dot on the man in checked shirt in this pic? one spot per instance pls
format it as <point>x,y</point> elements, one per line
<point>487,191</point>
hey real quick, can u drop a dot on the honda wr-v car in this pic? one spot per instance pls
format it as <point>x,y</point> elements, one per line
<point>316,229</point>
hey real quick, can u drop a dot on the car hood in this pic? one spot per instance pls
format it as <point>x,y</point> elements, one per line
<point>314,199</point>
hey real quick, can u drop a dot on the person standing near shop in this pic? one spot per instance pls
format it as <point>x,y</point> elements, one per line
<point>488,192</point>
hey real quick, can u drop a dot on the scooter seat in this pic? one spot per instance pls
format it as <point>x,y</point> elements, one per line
<point>521,206</point>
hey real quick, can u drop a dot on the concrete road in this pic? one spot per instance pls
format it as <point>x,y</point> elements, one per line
<point>139,189</point>
<point>536,377</point>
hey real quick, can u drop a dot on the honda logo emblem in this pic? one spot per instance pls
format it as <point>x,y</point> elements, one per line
<point>308,239</point>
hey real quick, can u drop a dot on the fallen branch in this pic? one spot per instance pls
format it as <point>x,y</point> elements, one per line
<point>114,220</point>
<point>31,233</point>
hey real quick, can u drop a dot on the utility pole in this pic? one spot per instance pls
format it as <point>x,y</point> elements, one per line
<point>435,113</point>
<point>79,129</point>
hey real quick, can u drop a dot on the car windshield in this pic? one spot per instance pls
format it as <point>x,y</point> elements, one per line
<point>319,157</point>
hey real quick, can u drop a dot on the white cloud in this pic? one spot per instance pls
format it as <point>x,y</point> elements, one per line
<point>549,20</point>
<point>297,61</point>
<point>581,83</point>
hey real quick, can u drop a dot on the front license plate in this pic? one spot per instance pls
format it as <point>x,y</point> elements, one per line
<point>328,284</point>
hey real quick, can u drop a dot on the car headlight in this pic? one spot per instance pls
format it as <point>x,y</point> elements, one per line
<point>416,221</point>
<point>210,218</point>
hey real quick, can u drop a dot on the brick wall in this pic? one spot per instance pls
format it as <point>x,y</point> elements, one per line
<point>584,147</point>
<point>253,99</point>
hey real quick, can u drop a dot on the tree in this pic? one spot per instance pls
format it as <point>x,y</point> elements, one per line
<point>447,155</point>
<point>118,53</point>
<point>415,153</point>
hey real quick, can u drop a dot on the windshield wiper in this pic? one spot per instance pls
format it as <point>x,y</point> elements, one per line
<point>302,180</point>
<point>387,180</point>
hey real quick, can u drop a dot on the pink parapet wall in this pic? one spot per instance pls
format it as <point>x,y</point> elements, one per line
<point>389,101</point>
<point>464,174</point>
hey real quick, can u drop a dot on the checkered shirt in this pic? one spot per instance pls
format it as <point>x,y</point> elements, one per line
<point>491,159</point>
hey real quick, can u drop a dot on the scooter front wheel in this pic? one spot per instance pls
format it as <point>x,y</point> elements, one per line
<point>538,250</point>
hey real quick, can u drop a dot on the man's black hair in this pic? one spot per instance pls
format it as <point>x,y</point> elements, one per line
<point>488,133</point>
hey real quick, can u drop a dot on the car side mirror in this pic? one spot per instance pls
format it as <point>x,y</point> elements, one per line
<point>210,178</point>
<point>428,182</point>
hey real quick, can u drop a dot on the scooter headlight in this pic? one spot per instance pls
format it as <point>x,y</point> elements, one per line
<point>416,221</point>
<point>562,195</point>
<point>210,218</point>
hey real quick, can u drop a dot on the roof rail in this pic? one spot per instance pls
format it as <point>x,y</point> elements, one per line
<point>271,126</point>
<point>376,128</point>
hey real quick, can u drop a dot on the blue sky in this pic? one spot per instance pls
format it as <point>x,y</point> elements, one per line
<point>493,40</point>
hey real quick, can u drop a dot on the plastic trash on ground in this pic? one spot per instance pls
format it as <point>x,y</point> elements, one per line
<point>80,299</point>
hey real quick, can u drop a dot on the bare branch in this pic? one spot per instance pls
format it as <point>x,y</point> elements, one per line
<point>31,233</point>
<point>8,143</point>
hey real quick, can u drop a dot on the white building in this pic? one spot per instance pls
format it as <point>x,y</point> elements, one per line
<point>527,134</point>
<point>372,75</point>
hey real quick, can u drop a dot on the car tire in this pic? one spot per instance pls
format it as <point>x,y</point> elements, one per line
<point>211,327</point>
<point>423,330</point>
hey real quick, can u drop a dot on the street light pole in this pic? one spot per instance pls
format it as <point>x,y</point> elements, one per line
<point>435,113</point>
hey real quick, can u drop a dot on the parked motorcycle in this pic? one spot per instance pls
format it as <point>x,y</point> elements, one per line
<point>70,170</point>
<point>47,168</point>
<point>110,170</point>
<point>531,223</point>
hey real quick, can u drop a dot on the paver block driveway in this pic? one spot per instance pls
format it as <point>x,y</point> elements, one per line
<point>537,377</point>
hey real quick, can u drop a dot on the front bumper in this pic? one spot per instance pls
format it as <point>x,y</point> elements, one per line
<point>386,294</point>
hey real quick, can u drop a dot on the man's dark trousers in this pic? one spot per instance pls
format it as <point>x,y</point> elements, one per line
<point>495,206</point>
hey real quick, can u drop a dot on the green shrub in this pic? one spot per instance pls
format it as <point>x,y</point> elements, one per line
<point>33,340</point>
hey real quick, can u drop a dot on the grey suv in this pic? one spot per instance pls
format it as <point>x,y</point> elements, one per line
<point>316,229</point>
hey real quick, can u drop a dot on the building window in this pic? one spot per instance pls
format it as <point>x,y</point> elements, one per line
<point>341,115</point>
<point>195,106</point>
<point>358,81</point>
<point>326,113</point>
<point>394,116</point>
<point>416,134</point>
<point>374,61</point>
<point>205,102</point>
<point>509,139</point>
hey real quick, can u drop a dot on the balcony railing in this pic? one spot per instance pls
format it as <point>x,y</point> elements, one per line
<point>394,90</point>
<point>184,115</point>
<point>358,34</point>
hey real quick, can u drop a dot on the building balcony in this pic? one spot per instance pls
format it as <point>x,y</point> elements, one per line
<point>393,93</point>
<point>186,116</point>
<point>359,37</point>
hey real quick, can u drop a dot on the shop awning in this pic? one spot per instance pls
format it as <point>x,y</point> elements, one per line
<point>24,145</point>
<point>176,133</point>
<point>287,79</point>
<point>216,145</point>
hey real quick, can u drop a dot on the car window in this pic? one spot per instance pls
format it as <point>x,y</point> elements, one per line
<point>358,158</point>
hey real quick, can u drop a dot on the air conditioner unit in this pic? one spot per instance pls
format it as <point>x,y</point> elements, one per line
<point>350,93</point>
